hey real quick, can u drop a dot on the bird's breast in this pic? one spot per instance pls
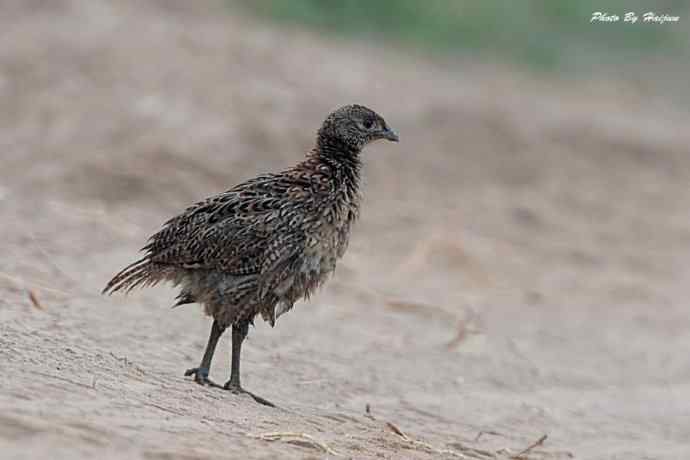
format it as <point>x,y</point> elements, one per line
<point>329,243</point>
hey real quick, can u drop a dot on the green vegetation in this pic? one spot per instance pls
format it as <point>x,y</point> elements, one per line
<point>543,34</point>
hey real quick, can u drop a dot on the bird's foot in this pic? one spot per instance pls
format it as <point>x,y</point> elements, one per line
<point>238,390</point>
<point>200,376</point>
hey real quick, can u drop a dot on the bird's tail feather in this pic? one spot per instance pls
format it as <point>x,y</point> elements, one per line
<point>184,298</point>
<point>139,273</point>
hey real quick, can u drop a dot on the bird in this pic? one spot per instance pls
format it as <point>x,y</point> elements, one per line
<point>259,247</point>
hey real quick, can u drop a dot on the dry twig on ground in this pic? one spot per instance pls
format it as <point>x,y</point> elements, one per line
<point>482,433</point>
<point>34,300</point>
<point>291,436</point>
<point>537,443</point>
<point>466,452</point>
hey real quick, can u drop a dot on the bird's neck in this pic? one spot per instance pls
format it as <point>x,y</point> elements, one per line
<point>342,159</point>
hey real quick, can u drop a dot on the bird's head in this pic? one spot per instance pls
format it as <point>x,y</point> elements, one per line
<point>356,126</point>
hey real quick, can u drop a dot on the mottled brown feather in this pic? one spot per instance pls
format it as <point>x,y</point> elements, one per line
<point>269,241</point>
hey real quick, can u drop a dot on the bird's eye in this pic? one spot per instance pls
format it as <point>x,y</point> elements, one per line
<point>368,124</point>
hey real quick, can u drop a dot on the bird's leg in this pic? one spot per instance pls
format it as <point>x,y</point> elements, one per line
<point>239,333</point>
<point>201,373</point>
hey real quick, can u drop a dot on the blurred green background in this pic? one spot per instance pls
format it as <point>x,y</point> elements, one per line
<point>540,35</point>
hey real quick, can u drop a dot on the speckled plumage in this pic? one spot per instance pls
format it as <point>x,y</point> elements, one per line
<point>267,242</point>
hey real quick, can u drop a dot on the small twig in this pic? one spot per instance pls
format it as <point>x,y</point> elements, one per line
<point>34,300</point>
<point>482,433</point>
<point>537,443</point>
<point>123,359</point>
<point>425,446</point>
<point>473,451</point>
<point>367,412</point>
<point>163,408</point>
<point>280,436</point>
<point>460,336</point>
<point>397,431</point>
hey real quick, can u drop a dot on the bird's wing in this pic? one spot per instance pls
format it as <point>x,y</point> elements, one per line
<point>237,231</point>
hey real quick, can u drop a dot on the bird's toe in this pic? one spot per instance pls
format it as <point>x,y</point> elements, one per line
<point>238,390</point>
<point>200,375</point>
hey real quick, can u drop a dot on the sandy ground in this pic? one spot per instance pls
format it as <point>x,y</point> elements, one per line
<point>520,269</point>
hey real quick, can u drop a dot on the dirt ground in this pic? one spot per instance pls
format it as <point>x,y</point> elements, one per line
<point>520,268</point>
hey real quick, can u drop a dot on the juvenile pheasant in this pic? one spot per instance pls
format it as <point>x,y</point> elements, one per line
<point>262,245</point>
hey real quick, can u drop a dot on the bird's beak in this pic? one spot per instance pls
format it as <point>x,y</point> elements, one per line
<point>390,135</point>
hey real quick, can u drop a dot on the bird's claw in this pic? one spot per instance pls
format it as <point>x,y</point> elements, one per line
<point>238,390</point>
<point>200,376</point>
